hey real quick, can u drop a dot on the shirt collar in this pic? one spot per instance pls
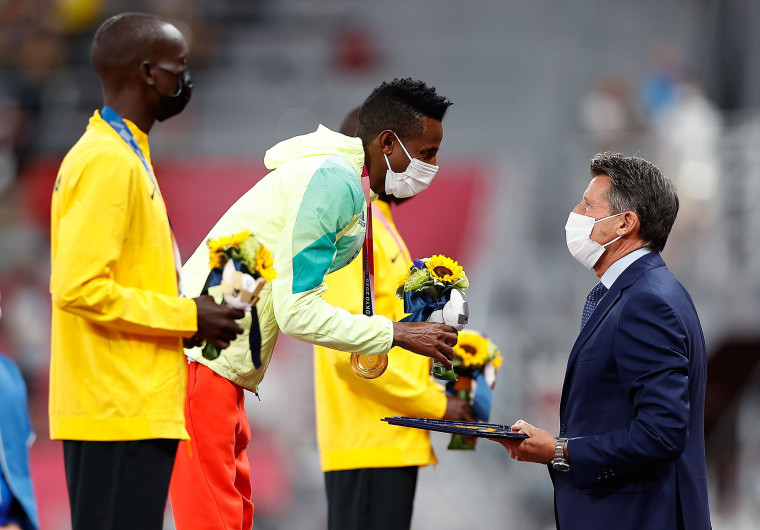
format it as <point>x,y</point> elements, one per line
<point>617,268</point>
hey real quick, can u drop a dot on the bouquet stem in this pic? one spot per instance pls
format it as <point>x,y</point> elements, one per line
<point>462,387</point>
<point>210,352</point>
<point>440,372</point>
<point>460,443</point>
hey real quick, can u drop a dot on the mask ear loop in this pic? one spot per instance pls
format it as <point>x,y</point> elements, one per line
<point>387,162</point>
<point>181,74</point>
<point>402,147</point>
<point>424,166</point>
<point>180,83</point>
<point>610,217</point>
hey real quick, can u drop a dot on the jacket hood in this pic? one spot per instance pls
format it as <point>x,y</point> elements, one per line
<point>321,142</point>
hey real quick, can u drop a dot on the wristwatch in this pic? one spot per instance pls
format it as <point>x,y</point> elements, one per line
<point>559,462</point>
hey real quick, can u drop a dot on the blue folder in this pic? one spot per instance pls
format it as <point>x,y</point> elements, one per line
<point>467,428</point>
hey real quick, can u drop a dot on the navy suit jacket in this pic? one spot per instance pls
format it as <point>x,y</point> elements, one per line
<point>633,409</point>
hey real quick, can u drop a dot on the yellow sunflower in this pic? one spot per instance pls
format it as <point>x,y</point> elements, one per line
<point>494,355</point>
<point>218,246</point>
<point>444,269</point>
<point>496,362</point>
<point>264,264</point>
<point>472,349</point>
<point>404,277</point>
<point>215,258</point>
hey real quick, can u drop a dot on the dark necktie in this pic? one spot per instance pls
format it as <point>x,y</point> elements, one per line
<point>591,300</point>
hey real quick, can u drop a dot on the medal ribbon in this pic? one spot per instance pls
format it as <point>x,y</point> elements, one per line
<point>112,118</point>
<point>368,258</point>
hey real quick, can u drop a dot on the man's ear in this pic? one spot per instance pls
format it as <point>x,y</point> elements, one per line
<point>386,140</point>
<point>146,74</point>
<point>628,224</point>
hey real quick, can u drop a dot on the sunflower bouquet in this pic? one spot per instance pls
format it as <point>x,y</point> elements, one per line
<point>475,362</point>
<point>433,291</point>
<point>241,266</point>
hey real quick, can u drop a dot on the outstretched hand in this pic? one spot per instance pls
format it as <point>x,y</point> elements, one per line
<point>538,447</point>
<point>426,338</point>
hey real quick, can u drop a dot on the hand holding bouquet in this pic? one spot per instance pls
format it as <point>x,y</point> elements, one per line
<point>433,291</point>
<point>241,266</point>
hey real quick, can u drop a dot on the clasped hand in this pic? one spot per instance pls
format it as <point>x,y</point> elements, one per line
<point>216,324</point>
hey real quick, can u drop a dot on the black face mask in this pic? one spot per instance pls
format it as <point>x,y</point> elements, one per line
<point>175,103</point>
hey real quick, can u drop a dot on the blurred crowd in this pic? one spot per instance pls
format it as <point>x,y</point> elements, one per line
<point>668,114</point>
<point>45,73</point>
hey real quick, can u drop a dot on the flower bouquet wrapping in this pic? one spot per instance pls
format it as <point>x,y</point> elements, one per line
<point>241,266</point>
<point>476,361</point>
<point>433,291</point>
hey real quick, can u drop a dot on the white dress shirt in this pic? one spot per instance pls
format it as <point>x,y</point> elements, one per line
<point>617,268</point>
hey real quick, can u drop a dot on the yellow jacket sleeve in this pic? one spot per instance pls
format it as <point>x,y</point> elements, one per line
<point>91,276</point>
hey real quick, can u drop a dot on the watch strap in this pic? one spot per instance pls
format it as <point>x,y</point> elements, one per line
<point>559,462</point>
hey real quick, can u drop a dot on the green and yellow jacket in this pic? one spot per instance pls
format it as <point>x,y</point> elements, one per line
<point>309,210</point>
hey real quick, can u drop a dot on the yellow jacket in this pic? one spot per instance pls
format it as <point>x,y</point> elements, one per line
<point>349,430</point>
<point>117,371</point>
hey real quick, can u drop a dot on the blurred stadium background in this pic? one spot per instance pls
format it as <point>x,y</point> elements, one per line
<point>538,87</point>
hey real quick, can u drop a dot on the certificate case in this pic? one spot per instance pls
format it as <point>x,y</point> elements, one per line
<point>466,428</point>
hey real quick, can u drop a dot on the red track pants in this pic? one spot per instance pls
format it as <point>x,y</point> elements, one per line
<point>211,485</point>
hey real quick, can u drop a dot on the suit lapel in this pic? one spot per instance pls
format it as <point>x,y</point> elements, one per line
<point>608,301</point>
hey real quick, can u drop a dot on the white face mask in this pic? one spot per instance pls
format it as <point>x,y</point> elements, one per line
<point>579,243</point>
<point>415,178</point>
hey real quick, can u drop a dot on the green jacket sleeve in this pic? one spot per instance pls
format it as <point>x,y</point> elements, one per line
<point>309,246</point>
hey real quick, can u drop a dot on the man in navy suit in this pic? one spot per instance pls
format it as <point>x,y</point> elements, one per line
<point>631,449</point>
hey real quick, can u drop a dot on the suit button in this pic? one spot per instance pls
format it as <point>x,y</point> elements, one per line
<point>562,428</point>
<point>599,476</point>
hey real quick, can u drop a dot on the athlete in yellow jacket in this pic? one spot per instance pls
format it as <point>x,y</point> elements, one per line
<point>371,468</point>
<point>117,372</point>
